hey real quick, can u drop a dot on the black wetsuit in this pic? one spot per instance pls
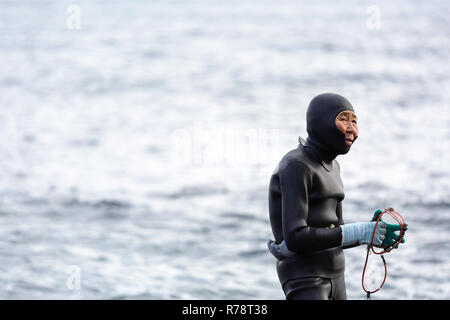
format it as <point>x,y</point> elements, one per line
<point>305,204</point>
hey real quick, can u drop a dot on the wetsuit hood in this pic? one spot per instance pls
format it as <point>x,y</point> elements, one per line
<point>324,138</point>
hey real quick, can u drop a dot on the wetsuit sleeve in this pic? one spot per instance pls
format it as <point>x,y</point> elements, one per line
<point>339,213</point>
<point>341,222</point>
<point>295,184</point>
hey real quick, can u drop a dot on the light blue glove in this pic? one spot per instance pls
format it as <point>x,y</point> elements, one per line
<point>279,251</point>
<point>361,233</point>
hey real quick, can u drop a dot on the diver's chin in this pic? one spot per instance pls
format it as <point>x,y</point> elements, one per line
<point>345,150</point>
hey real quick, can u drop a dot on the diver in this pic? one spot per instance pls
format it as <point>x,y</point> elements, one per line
<point>305,206</point>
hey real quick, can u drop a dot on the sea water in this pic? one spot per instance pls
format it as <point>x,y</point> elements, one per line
<point>137,140</point>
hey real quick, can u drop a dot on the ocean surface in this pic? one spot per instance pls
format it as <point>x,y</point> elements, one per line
<point>137,140</point>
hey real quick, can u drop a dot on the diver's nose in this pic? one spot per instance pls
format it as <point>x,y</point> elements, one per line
<point>351,128</point>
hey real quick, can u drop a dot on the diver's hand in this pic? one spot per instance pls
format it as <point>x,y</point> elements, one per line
<point>361,233</point>
<point>279,251</point>
<point>391,236</point>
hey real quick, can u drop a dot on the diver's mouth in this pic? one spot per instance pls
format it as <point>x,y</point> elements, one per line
<point>349,142</point>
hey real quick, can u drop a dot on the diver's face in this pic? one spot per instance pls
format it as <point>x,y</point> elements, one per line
<point>347,123</point>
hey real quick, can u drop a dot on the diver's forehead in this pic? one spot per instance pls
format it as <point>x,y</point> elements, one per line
<point>347,113</point>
